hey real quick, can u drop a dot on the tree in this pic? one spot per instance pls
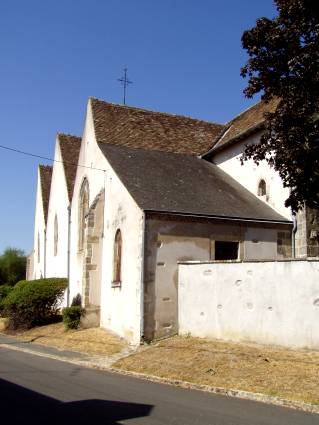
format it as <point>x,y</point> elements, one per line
<point>12,266</point>
<point>283,66</point>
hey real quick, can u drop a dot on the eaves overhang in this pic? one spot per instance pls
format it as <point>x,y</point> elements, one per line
<point>218,217</point>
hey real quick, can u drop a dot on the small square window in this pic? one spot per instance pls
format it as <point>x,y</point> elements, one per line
<point>225,250</point>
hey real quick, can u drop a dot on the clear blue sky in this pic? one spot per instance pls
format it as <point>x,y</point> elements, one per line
<point>184,57</point>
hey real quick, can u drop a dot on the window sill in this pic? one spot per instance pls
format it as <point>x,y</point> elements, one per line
<point>116,284</point>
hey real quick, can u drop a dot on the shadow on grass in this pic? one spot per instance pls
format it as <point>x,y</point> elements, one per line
<point>20,405</point>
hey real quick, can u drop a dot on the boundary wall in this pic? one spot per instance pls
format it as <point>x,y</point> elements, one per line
<point>268,302</point>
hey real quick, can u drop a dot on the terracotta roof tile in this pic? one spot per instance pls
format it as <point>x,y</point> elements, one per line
<point>70,150</point>
<point>248,121</point>
<point>45,180</point>
<point>140,128</point>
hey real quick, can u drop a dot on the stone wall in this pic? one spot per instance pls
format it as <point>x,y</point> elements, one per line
<point>120,307</point>
<point>284,248</point>
<point>249,175</point>
<point>268,302</point>
<point>169,239</point>
<point>307,236</point>
<point>57,261</point>
<point>93,249</point>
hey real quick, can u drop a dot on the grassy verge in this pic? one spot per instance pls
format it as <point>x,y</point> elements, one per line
<point>290,374</point>
<point>93,341</point>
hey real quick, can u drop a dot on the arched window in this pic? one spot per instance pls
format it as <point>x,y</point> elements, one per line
<point>56,235</point>
<point>117,259</point>
<point>38,248</point>
<point>83,210</point>
<point>262,188</point>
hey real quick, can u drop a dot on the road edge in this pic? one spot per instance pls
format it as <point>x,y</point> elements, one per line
<point>101,363</point>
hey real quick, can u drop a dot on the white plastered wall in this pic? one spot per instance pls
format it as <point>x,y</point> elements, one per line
<point>39,229</point>
<point>250,174</point>
<point>120,307</point>
<point>264,302</point>
<point>58,206</point>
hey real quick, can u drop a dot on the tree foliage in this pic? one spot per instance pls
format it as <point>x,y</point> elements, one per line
<point>283,65</point>
<point>12,266</point>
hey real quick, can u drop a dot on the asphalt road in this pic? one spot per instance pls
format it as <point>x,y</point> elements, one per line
<point>37,390</point>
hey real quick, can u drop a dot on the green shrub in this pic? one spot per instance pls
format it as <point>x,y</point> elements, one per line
<point>72,316</point>
<point>22,283</point>
<point>4,292</point>
<point>34,302</point>
<point>77,300</point>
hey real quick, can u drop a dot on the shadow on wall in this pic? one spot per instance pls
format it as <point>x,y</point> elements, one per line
<point>22,406</point>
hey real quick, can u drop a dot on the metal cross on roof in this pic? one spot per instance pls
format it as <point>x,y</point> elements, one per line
<point>125,82</point>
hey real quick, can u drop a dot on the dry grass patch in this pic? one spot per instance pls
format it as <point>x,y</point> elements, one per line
<point>290,374</point>
<point>93,341</point>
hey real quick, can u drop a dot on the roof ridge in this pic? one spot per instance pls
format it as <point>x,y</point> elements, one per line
<point>247,122</point>
<point>243,112</point>
<point>266,102</point>
<point>124,147</point>
<point>59,133</point>
<point>155,112</point>
<point>45,166</point>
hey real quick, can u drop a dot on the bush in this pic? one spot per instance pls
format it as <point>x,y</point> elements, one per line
<point>77,300</point>
<point>72,316</point>
<point>4,292</point>
<point>22,283</point>
<point>34,302</point>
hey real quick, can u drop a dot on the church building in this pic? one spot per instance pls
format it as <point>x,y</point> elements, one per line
<point>141,191</point>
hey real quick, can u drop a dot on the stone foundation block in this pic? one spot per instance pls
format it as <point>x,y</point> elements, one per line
<point>91,318</point>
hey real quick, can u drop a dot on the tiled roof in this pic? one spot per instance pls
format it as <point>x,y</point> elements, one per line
<point>138,128</point>
<point>175,183</point>
<point>70,150</point>
<point>245,123</point>
<point>45,172</point>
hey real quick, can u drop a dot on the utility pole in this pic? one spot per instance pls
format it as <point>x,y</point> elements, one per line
<point>125,82</point>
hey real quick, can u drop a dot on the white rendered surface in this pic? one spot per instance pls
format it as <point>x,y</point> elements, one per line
<point>250,174</point>
<point>120,307</point>
<point>58,206</point>
<point>39,229</point>
<point>264,302</point>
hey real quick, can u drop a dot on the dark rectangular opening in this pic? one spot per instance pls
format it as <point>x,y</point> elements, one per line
<point>226,250</point>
